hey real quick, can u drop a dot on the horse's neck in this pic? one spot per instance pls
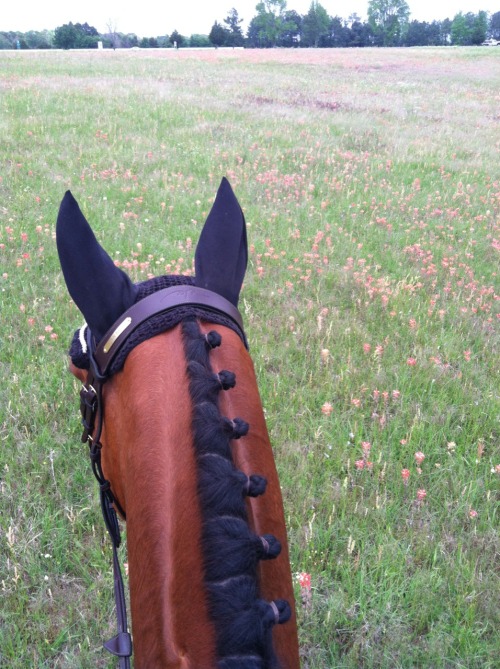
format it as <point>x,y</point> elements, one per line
<point>149,450</point>
<point>150,455</point>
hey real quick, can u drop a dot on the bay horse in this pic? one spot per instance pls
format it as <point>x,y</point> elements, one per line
<point>170,402</point>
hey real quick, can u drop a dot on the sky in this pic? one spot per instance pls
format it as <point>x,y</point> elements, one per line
<point>150,18</point>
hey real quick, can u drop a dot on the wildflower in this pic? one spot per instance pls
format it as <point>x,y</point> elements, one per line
<point>305,589</point>
<point>472,513</point>
<point>405,473</point>
<point>496,469</point>
<point>419,457</point>
<point>366,446</point>
<point>324,355</point>
<point>304,580</point>
<point>396,394</point>
<point>367,348</point>
<point>327,408</point>
<point>411,362</point>
<point>467,355</point>
<point>421,495</point>
<point>356,402</point>
<point>359,464</point>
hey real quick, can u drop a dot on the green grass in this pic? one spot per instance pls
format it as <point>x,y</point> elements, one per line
<point>370,182</point>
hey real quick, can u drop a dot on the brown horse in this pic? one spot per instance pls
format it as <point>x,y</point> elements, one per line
<point>185,450</point>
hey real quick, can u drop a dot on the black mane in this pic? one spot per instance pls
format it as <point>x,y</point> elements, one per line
<point>243,622</point>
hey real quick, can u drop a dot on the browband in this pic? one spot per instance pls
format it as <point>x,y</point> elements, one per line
<point>156,303</point>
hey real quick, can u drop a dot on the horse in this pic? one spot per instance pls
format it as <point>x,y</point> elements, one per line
<point>179,445</point>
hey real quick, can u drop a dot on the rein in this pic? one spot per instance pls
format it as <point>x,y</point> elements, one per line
<point>101,357</point>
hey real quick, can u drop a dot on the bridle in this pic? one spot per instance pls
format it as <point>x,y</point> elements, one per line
<point>101,357</point>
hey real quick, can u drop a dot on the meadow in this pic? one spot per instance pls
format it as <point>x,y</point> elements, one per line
<point>370,182</point>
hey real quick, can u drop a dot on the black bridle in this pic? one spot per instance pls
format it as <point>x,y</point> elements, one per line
<point>101,357</point>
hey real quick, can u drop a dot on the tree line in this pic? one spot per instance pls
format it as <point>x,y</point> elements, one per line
<point>274,25</point>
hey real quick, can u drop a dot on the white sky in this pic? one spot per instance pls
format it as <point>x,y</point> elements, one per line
<point>150,18</point>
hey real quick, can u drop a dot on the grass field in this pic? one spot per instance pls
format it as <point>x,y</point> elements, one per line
<point>370,181</point>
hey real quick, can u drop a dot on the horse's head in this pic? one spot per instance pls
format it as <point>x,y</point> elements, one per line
<point>180,462</point>
<point>103,292</point>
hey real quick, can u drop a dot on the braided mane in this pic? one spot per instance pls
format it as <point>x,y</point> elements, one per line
<point>231,551</point>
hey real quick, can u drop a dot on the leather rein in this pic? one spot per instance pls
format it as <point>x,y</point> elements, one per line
<point>101,357</point>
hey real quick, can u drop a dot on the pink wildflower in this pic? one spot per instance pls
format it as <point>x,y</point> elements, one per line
<point>419,457</point>
<point>327,408</point>
<point>405,473</point>
<point>366,446</point>
<point>304,580</point>
<point>421,495</point>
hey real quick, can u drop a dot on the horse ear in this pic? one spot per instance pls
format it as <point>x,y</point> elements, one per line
<point>100,290</point>
<point>221,255</point>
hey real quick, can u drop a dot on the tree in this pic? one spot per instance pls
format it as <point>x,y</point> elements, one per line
<point>149,43</point>
<point>65,37</point>
<point>269,27</point>
<point>77,36</point>
<point>315,25</point>
<point>361,34</point>
<point>235,33</point>
<point>479,28</point>
<point>388,20</point>
<point>460,31</point>
<point>445,32</point>
<point>291,34</point>
<point>130,40</point>
<point>38,39</point>
<point>176,39</point>
<point>112,34</point>
<point>469,28</point>
<point>218,35</point>
<point>495,26</point>
<point>417,34</point>
<point>199,40</point>
<point>339,33</point>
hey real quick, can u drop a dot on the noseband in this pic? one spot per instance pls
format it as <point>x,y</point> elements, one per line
<point>101,357</point>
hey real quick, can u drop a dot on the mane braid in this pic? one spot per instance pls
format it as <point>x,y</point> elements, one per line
<point>243,621</point>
